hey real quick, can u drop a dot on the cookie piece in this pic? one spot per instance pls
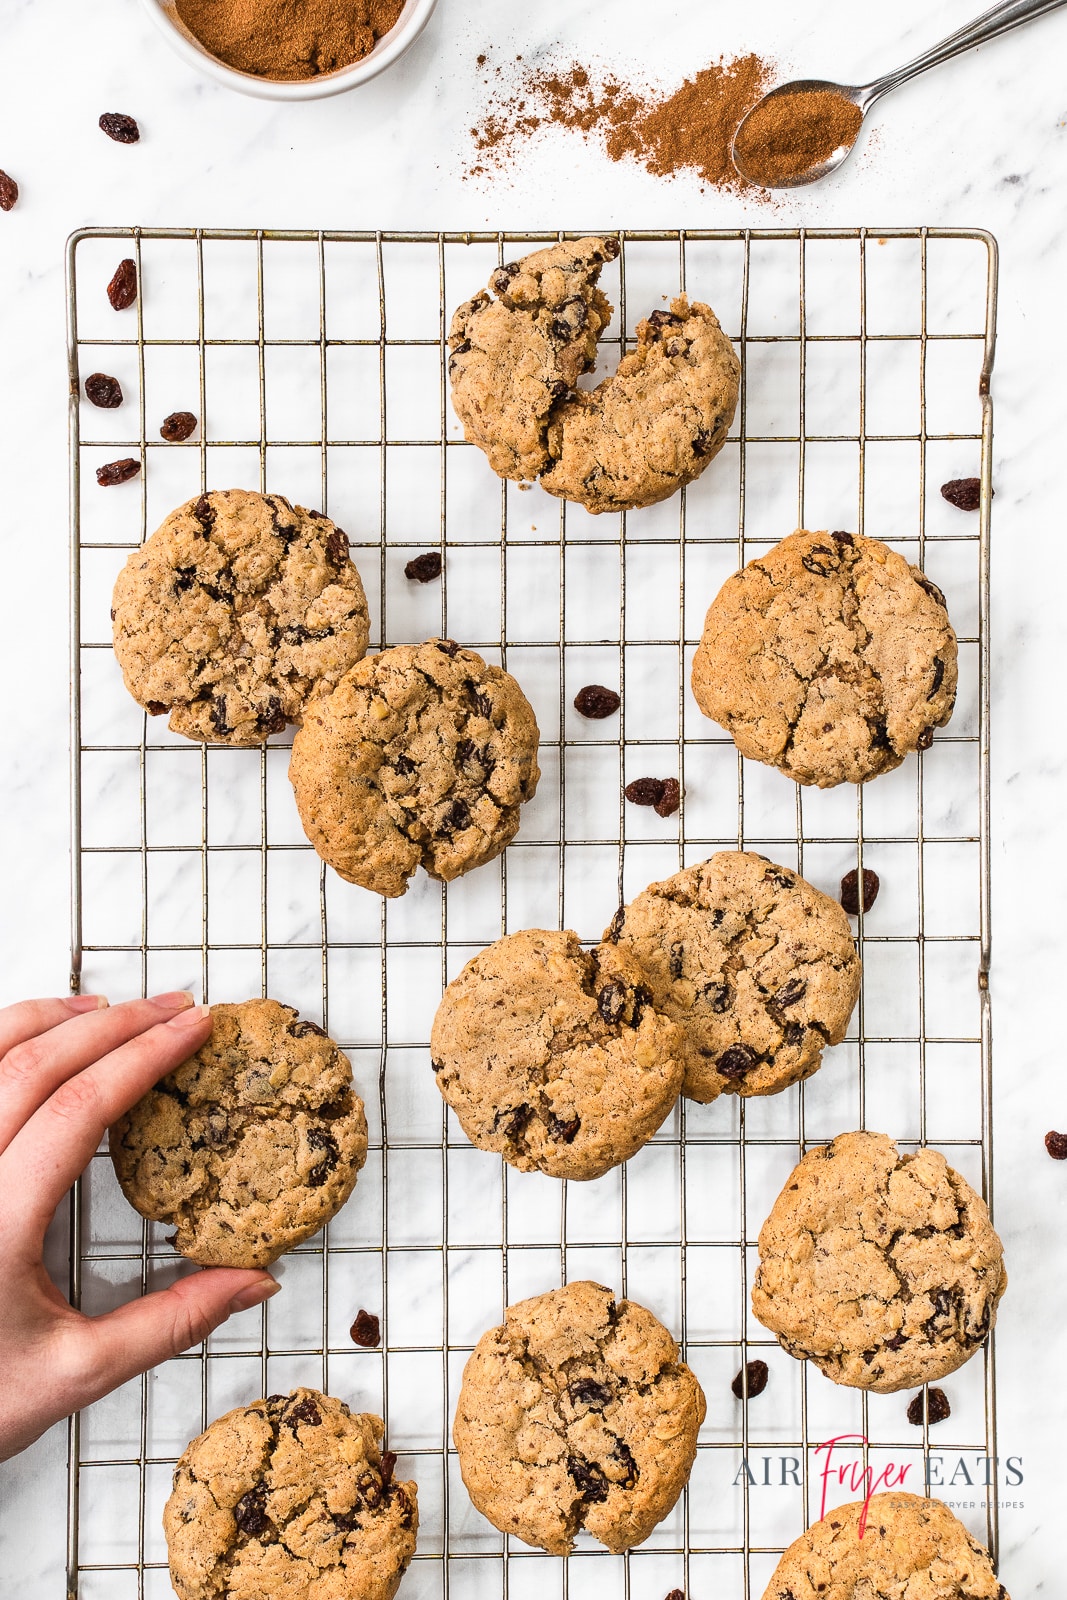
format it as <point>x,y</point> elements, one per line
<point>656,423</point>
<point>289,1496</point>
<point>554,1056</point>
<point>883,1269</point>
<point>515,356</point>
<point>577,1413</point>
<point>755,965</point>
<point>644,432</point>
<point>829,657</point>
<point>895,1544</point>
<point>236,612</point>
<point>250,1146</point>
<point>421,756</point>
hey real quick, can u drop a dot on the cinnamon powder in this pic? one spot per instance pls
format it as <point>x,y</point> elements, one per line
<point>692,128</point>
<point>289,38</point>
<point>790,134</point>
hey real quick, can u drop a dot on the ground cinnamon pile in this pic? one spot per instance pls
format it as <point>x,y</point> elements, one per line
<point>289,38</point>
<point>790,134</point>
<point>690,129</point>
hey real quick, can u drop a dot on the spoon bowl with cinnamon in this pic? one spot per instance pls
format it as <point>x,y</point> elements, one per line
<point>801,131</point>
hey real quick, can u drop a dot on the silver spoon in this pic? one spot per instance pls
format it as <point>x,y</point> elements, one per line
<point>999,19</point>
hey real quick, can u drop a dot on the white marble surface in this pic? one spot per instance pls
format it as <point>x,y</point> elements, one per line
<point>981,144</point>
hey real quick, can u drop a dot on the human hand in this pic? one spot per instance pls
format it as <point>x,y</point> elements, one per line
<point>68,1068</point>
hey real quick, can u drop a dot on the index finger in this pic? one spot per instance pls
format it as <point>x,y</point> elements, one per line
<point>59,1140</point>
<point>29,1018</point>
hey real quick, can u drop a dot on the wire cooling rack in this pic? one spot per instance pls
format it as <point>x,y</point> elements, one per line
<point>316,364</point>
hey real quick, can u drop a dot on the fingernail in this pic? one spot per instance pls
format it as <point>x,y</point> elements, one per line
<point>86,1002</point>
<point>176,1000</point>
<point>191,1018</point>
<point>254,1295</point>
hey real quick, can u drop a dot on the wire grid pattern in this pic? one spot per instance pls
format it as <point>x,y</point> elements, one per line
<point>866,364</point>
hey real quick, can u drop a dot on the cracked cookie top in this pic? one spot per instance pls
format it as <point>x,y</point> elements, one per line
<point>251,1145</point>
<point>829,657</point>
<point>895,1545</point>
<point>756,966</point>
<point>555,1056</point>
<point>289,1496</point>
<point>576,1413</point>
<point>649,428</point>
<point>517,352</point>
<point>236,612</point>
<point>884,1269</point>
<point>422,755</point>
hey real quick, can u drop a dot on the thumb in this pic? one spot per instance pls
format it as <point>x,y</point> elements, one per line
<point>126,1342</point>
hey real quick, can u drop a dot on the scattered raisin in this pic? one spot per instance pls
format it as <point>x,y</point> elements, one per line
<point>645,791</point>
<point>936,1409</point>
<point>366,1330</point>
<point>103,391</point>
<point>424,568</point>
<point>122,290</point>
<point>850,885</point>
<point>113,472</point>
<point>178,426</point>
<point>670,799</point>
<point>9,192</point>
<point>118,126</point>
<point>676,1594</point>
<point>596,701</point>
<point>250,1513</point>
<point>1056,1145</point>
<point>965,493</point>
<point>758,1373</point>
<point>738,1060</point>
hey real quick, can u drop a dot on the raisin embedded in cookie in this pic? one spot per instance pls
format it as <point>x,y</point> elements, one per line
<point>517,355</point>
<point>422,755</point>
<point>236,612</point>
<point>754,964</point>
<point>829,657</point>
<point>250,1146</point>
<point>576,1413</point>
<point>555,1056</point>
<point>289,1496</point>
<point>894,1544</point>
<point>883,1269</point>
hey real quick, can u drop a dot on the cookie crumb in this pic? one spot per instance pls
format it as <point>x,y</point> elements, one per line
<point>937,1407</point>
<point>366,1331</point>
<point>964,493</point>
<point>424,568</point>
<point>1056,1145</point>
<point>596,701</point>
<point>850,890</point>
<point>758,1373</point>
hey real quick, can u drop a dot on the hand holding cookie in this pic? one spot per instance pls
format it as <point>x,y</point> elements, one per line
<point>68,1069</point>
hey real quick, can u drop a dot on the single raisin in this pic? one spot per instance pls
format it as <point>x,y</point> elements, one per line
<point>936,1409</point>
<point>318,1140</point>
<point>9,191</point>
<point>931,589</point>
<point>502,277</point>
<point>587,1392</point>
<point>738,1060</point>
<point>388,1466</point>
<point>204,512</point>
<point>306,1412</point>
<point>670,799</point>
<point>611,1002</point>
<point>596,701</point>
<point>366,1330</point>
<point>644,791</point>
<point>117,472</point>
<point>250,1512</point>
<point>925,739</point>
<point>424,568</point>
<point>850,886</point>
<point>676,1594</point>
<point>757,1373</point>
<point>701,441</point>
<point>663,319</point>
<point>965,493</point>
<point>565,1131</point>
<point>122,290</point>
<point>939,677</point>
<point>118,126</point>
<point>337,547</point>
<point>178,426</point>
<point>589,1480</point>
<point>790,992</point>
<point>843,538</point>
<point>1056,1145</point>
<point>818,568</point>
<point>301,1029</point>
<point>611,248</point>
<point>104,391</point>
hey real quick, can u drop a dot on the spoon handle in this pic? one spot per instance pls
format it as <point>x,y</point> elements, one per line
<point>999,19</point>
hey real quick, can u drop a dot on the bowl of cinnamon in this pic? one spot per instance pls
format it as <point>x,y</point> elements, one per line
<point>290,49</point>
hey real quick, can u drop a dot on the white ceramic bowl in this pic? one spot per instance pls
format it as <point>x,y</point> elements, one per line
<point>390,47</point>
